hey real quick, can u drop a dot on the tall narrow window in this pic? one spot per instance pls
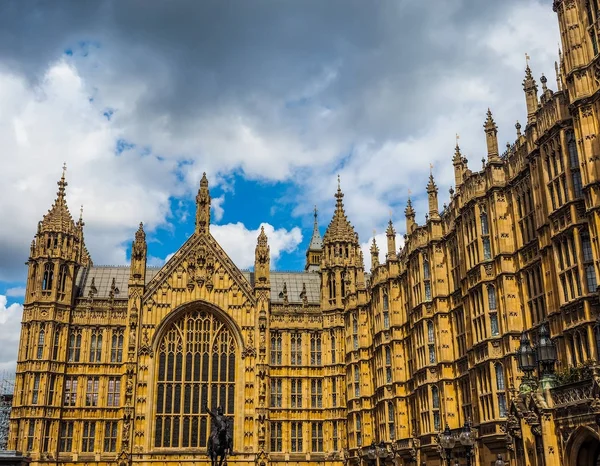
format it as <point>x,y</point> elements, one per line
<point>494,325</point>
<point>430,332</point>
<point>116,348</point>
<point>435,398</point>
<point>66,436</point>
<point>110,436</point>
<point>296,394</point>
<point>315,349</point>
<point>48,276</point>
<point>386,310</point>
<point>358,430</point>
<point>276,436</point>
<point>89,436</point>
<point>96,346</point>
<point>296,436</point>
<point>317,436</point>
<point>334,393</point>
<point>276,348</point>
<point>355,332</point>
<point>70,394</point>
<point>333,349</point>
<point>487,249</point>
<point>36,389</point>
<point>588,263</point>
<point>41,340</point>
<point>51,388</point>
<point>391,420</point>
<point>62,278</point>
<point>388,365</point>
<point>491,297</point>
<point>56,343</point>
<point>485,230</point>
<point>276,393</point>
<point>316,393</point>
<point>356,382</point>
<point>296,349</point>
<point>114,392</point>
<point>47,436</point>
<point>91,394</point>
<point>74,345</point>
<point>335,436</point>
<point>500,390</point>
<point>428,291</point>
<point>31,435</point>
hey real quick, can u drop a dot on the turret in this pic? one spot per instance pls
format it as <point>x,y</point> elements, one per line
<point>262,260</point>
<point>432,195</point>
<point>57,252</point>
<point>531,97</point>
<point>390,232</point>
<point>409,212</point>
<point>491,132</point>
<point>374,254</point>
<point>314,253</point>
<point>203,207</point>
<point>459,167</point>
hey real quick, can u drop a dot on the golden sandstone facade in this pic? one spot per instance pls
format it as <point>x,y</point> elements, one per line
<point>115,363</point>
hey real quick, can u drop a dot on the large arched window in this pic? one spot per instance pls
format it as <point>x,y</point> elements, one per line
<point>48,276</point>
<point>195,366</point>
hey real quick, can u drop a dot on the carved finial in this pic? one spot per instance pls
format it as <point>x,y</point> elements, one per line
<point>544,80</point>
<point>518,127</point>
<point>527,58</point>
<point>62,184</point>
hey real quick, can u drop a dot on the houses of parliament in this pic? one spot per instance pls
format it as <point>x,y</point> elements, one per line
<point>333,365</point>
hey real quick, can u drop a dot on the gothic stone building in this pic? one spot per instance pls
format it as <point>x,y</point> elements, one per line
<point>115,363</point>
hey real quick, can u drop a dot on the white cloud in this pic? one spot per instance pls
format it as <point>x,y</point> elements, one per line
<point>239,242</point>
<point>10,331</point>
<point>15,292</point>
<point>216,205</point>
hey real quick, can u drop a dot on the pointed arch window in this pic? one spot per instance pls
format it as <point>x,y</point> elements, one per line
<point>74,345</point>
<point>386,310</point>
<point>500,390</point>
<point>355,332</point>
<point>391,420</point>
<point>116,345</point>
<point>435,399</point>
<point>485,228</point>
<point>333,349</point>
<point>388,365</point>
<point>358,430</point>
<point>430,332</point>
<point>196,364</point>
<point>356,382</point>
<point>96,346</point>
<point>276,348</point>
<point>56,343</point>
<point>62,278</point>
<point>491,297</point>
<point>41,341</point>
<point>48,276</point>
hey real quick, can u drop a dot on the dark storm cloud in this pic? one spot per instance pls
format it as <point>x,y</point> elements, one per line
<point>196,56</point>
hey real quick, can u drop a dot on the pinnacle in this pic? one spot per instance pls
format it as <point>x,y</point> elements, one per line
<point>262,236</point>
<point>390,229</point>
<point>316,242</point>
<point>59,218</point>
<point>490,124</point>
<point>140,234</point>
<point>340,229</point>
<point>204,181</point>
<point>431,186</point>
<point>409,211</point>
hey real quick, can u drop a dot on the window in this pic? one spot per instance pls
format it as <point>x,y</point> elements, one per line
<point>195,365</point>
<point>358,430</point>
<point>296,349</point>
<point>74,345</point>
<point>36,389</point>
<point>315,349</point>
<point>276,348</point>
<point>56,343</point>
<point>30,435</point>
<point>333,349</point>
<point>276,436</point>
<point>484,224</point>
<point>388,365</point>
<point>276,393</point>
<point>96,346</point>
<point>116,349</point>
<point>296,436</point>
<point>435,398</point>
<point>430,332</point>
<point>494,325</point>
<point>572,149</point>
<point>588,263</point>
<point>114,392</point>
<point>334,393</point>
<point>89,436</point>
<point>41,340</point>
<point>487,249</point>
<point>491,297</point>
<point>335,436</point>
<point>426,269</point>
<point>317,436</point>
<point>427,291</point>
<point>431,354</point>
<point>70,396</point>
<point>91,394</point>
<point>500,388</point>
<point>356,382</point>
<point>316,393</point>
<point>51,388</point>
<point>62,278</point>
<point>110,436</point>
<point>296,393</point>
<point>355,332</point>
<point>66,436</point>
<point>391,420</point>
<point>386,311</point>
<point>48,276</point>
<point>47,432</point>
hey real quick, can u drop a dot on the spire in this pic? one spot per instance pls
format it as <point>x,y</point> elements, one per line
<point>58,219</point>
<point>390,232</point>
<point>409,212</point>
<point>315,247</point>
<point>340,229</point>
<point>262,259</point>
<point>491,131</point>
<point>432,194</point>
<point>203,206</point>
<point>139,250</point>
<point>459,166</point>
<point>531,97</point>
<point>374,254</point>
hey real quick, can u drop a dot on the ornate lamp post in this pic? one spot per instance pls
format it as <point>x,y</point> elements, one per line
<point>499,461</point>
<point>447,442</point>
<point>467,439</point>
<point>526,361</point>
<point>546,356</point>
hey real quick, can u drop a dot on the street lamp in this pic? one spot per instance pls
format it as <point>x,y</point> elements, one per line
<point>467,439</point>
<point>447,441</point>
<point>546,356</point>
<point>526,361</point>
<point>499,461</point>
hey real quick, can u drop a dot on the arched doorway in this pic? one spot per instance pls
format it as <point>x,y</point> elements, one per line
<point>195,364</point>
<point>583,447</point>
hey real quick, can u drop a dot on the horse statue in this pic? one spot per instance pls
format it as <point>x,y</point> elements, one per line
<point>220,443</point>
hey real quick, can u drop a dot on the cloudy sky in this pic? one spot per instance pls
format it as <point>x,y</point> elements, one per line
<point>272,99</point>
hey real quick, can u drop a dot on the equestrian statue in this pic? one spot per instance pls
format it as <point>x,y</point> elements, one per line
<point>220,443</point>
